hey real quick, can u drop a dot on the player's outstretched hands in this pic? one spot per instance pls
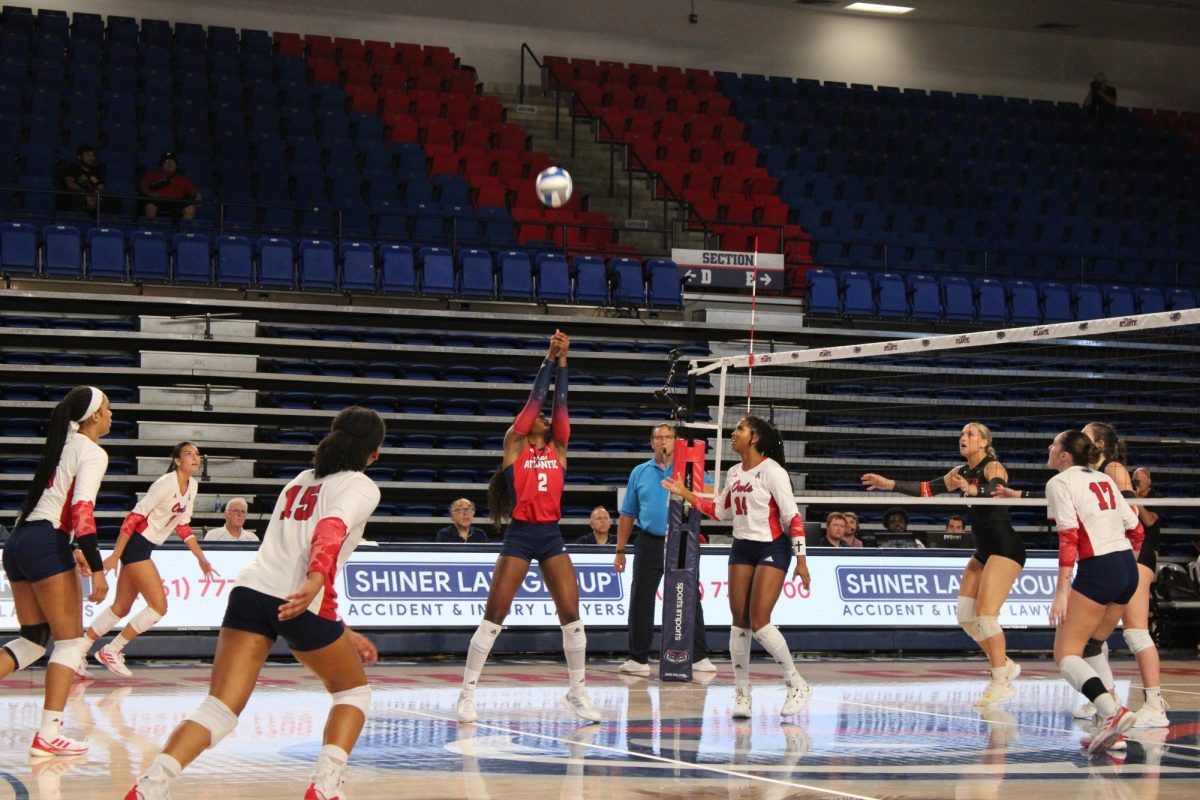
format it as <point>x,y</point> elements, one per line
<point>874,482</point>
<point>677,488</point>
<point>297,603</point>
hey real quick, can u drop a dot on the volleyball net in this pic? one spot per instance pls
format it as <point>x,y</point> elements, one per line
<point>847,405</point>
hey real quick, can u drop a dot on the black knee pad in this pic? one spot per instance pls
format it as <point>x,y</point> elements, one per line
<point>1093,648</point>
<point>38,634</point>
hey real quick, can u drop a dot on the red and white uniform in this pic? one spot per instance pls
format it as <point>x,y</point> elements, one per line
<point>163,509</point>
<point>537,484</point>
<point>760,502</point>
<point>316,524</point>
<point>69,501</point>
<point>1091,516</point>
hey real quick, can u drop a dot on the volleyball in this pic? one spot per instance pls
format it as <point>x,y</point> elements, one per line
<point>554,186</point>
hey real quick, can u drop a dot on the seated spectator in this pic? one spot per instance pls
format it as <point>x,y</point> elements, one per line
<point>600,522</point>
<point>895,530</point>
<point>835,530</point>
<point>956,534</point>
<point>83,179</point>
<point>235,519</point>
<point>1101,102</point>
<point>850,538</point>
<point>170,191</point>
<point>462,514</point>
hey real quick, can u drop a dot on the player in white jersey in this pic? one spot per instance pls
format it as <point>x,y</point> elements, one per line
<point>287,590</point>
<point>167,507</point>
<point>1097,527</point>
<point>767,530</point>
<point>54,537</point>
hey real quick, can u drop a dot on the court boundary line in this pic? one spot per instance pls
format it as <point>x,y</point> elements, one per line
<point>728,773</point>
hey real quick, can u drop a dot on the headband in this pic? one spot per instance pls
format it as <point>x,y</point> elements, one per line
<point>92,407</point>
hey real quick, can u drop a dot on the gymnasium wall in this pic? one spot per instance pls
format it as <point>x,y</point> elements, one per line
<point>741,37</point>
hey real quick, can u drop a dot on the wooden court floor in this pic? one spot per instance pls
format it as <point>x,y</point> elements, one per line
<point>874,729</point>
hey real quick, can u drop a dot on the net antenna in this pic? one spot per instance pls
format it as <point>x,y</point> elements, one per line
<point>881,363</point>
<point>753,312</point>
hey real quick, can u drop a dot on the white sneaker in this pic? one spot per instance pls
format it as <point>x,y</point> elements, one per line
<point>581,703</point>
<point>81,669</point>
<point>741,703</point>
<point>1152,716</point>
<point>114,660</point>
<point>798,694</point>
<point>1110,731</point>
<point>631,667</point>
<point>146,789</point>
<point>1085,711</point>
<point>995,693</point>
<point>59,745</point>
<point>704,665</point>
<point>466,706</point>
<point>1014,669</point>
<point>326,785</point>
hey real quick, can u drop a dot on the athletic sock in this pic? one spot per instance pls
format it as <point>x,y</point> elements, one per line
<point>332,759</point>
<point>1153,695</point>
<point>1083,679</point>
<point>575,650</point>
<point>1000,673</point>
<point>739,653</point>
<point>51,724</point>
<point>477,654</point>
<point>774,643</point>
<point>164,769</point>
<point>117,644</point>
<point>1101,666</point>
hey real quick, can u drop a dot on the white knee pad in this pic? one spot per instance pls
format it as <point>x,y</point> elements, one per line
<point>988,627</point>
<point>216,716</point>
<point>69,652</point>
<point>30,646</point>
<point>359,697</point>
<point>104,622</point>
<point>144,620</point>
<point>965,612</point>
<point>1138,639</point>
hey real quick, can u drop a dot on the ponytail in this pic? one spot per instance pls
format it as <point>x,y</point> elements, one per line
<point>986,433</point>
<point>500,499</point>
<point>1083,451</point>
<point>1112,446</point>
<point>354,434</point>
<point>770,444</point>
<point>71,409</point>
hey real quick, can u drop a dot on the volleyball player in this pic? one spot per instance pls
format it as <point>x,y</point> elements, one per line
<point>1097,527</point>
<point>40,557</point>
<point>767,530</point>
<point>287,590</point>
<point>527,490</point>
<point>166,507</point>
<point>998,557</point>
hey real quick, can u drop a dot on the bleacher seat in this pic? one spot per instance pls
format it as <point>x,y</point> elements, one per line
<point>1023,300</point>
<point>926,297</point>
<point>992,300</point>
<point>1056,302</point>
<point>1118,300</point>
<point>437,272</point>
<point>106,253</point>
<point>235,265</point>
<point>629,281</point>
<point>193,257</point>
<point>62,250</point>
<point>823,294</point>
<point>18,248</point>
<point>892,295</point>
<point>397,272</point>
<point>553,278</point>
<point>959,299</point>
<point>1179,298</point>
<point>665,289</point>
<point>276,262</point>
<point>516,275</point>
<point>318,266</point>
<point>858,297</point>
<point>148,255</point>
<point>359,272</point>
<point>591,280</point>
<point>1149,299</point>
<point>477,275</point>
<point>1089,303</point>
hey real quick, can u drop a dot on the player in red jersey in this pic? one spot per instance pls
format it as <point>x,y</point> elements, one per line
<point>55,535</point>
<point>287,590</point>
<point>527,489</point>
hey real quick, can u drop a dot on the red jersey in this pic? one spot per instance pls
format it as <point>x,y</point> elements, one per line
<point>536,481</point>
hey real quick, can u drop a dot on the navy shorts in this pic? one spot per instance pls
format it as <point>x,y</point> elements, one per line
<point>36,551</point>
<point>530,541</point>
<point>138,548</point>
<point>1110,578</point>
<point>255,612</point>
<point>776,553</point>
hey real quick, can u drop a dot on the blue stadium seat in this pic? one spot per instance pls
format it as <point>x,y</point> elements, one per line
<point>856,290</point>
<point>516,275</point>
<point>148,255</point>
<point>823,295</point>
<point>358,266</point>
<point>1089,303</point>
<point>553,278</point>
<point>63,250</point>
<point>18,248</point>
<point>477,275</point>
<point>437,271</point>
<point>235,266</point>
<point>396,271</point>
<point>106,253</point>
<point>276,262</point>
<point>1180,298</point>
<point>926,296</point>
<point>1149,300</point>
<point>665,288</point>
<point>1056,302</point>
<point>1118,300</point>
<point>318,266</point>
<point>591,280</point>
<point>193,257</point>
<point>992,300</point>
<point>959,298</point>
<point>892,295</point>
<point>630,278</point>
<point>1023,297</point>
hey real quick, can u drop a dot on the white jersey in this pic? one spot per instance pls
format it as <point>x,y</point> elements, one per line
<point>167,509</point>
<point>76,480</point>
<point>1088,501</point>
<point>281,564</point>
<point>760,501</point>
<point>222,534</point>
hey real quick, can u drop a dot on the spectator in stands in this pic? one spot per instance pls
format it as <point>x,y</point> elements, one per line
<point>895,530</point>
<point>235,519</point>
<point>851,538</point>
<point>460,529</point>
<point>600,522</point>
<point>956,533</point>
<point>169,191</point>
<point>835,530</point>
<point>84,179</point>
<point>1101,101</point>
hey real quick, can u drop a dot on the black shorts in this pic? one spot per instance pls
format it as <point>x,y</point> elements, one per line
<point>531,541</point>
<point>138,548</point>
<point>255,612</point>
<point>1007,544</point>
<point>776,553</point>
<point>1148,555</point>
<point>36,551</point>
<point>1110,578</point>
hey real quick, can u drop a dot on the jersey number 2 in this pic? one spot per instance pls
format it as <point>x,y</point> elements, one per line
<point>542,479</point>
<point>306,507</point>
<point>1100,490</point>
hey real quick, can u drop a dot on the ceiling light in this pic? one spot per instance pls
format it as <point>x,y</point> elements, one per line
<point>878,8</point>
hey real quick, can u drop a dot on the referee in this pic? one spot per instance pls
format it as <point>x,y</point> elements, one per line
<point>645,509</point>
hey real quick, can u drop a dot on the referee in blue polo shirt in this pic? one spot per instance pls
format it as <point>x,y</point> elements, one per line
<point>644,509</point>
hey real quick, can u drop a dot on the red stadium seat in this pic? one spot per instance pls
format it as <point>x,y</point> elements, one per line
<point>350,50</point>
<point>397,103</point>
<point>701,80</point>
<point>462,81</point>
<point>410,57</point>
<point>402,128</point>
<point>489,110</point>
<point>323,70</point>
<point>427,106</point>
<point>428,80</point>
<point>357,74</point>
<point>438,132</point>
<point>288,44</point>
<point>476,134</point>
<point>510,137</point>
<point>392,79</point>
<point>439,58</point>
<point>364,100</point>
<point>491,193</point>
<point>702,128</point>
<point>380,54</point>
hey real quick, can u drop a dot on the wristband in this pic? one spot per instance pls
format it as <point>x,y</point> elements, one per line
<point>91,552</point>
<point>798,547</point>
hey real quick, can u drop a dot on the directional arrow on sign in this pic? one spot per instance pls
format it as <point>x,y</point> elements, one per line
<point>766,279</point>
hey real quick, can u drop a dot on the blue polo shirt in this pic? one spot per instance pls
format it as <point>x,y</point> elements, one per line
<point>645,498</point>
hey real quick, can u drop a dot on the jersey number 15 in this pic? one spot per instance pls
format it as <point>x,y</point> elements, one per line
<point>305,508</point>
